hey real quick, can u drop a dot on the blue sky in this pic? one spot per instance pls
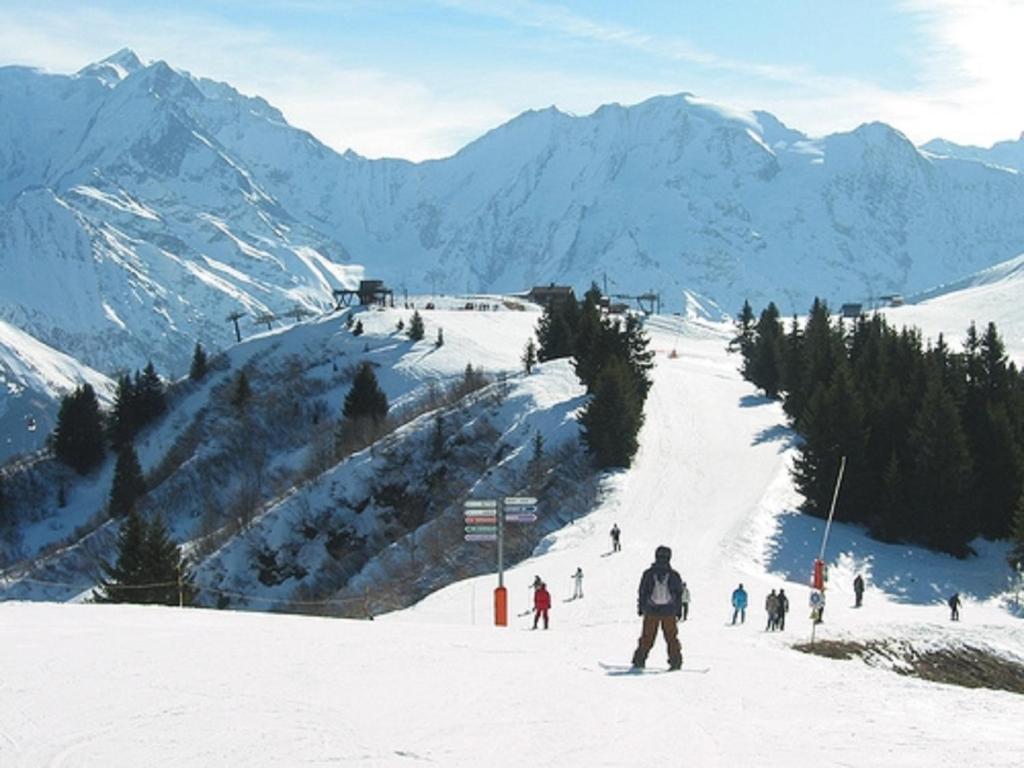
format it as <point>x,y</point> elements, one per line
<point>421,79</point>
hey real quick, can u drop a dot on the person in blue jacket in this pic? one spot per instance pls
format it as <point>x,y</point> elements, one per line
<point>739,604</point>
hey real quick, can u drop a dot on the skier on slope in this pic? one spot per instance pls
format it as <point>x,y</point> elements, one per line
<point>615,533</point>
<point>659,603</point>
<point>771,606</point>
<point>541,604</point>
<point>954,606</point>
<point>684,598</point>
<point>858,590</point>
<point>783,609</point>
<point>739,604</point>
<point>577,587</point>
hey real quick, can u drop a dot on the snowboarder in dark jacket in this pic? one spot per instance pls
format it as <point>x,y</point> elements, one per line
<point>659,602</point>
<point>954,607</point>
<point>783,609</point>
<point>858,590</point>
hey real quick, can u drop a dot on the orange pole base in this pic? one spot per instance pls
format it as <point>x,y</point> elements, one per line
<point>500,607</point>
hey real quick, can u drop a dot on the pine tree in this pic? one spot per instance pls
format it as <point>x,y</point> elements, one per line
<point>763,367</point>
<point>832,426</point>
<point>124,420</point>
<point>556,330</point>
<point>128,483</point>
<point>612,419</point>
<point>79,437</point>
<point>148,569</point>
<point>400,325</point>
<point>416,330</point>
<point>365,399</point>
<point>149,393</point>
<point>165,567</point>
<point>358,329</point>
<point>940,471</point>
<point>744,330</point>
<point>241,392</point>
<point>200,365</point>
<point>529,358</point>
<point>128,572</point>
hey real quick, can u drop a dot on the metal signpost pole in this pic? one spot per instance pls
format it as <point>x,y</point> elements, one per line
<point>824,541</point>
<point>500,594</point>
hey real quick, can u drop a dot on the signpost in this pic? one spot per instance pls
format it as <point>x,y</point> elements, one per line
<point>820,571</point>
<point>485,520</point>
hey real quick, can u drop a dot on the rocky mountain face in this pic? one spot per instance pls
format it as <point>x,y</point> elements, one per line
<point>140,206</point>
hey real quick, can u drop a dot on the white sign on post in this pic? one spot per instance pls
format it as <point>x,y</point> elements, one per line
<point>520,501</point>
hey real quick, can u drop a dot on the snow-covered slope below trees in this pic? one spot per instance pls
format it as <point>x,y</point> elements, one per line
<point>33,377</point>
<point>139,205</point>
<point>438,683</point>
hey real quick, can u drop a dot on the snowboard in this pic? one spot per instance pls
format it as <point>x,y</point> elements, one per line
<point>616,670</point>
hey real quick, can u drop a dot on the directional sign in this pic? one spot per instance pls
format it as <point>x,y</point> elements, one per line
<point>516,510</point>
<point>476,519</point>
<point>481,504</point>
<point>481,537</point>
<point>510,518</point>
<point>481,529</point>
<point>520,501</point>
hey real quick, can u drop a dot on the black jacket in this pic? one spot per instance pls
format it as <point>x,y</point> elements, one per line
<point>675,588</point>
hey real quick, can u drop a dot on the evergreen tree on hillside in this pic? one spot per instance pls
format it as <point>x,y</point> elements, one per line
<point>124,419</point>
<point>763,367</point>
<point>148,567</point>
<point>149,394</point>
<point>123,578</point>
<point>529,358</point>
<point>79,437</point>
<point>612,419</point>
<point>744,337</point>
<point>940,472</point>
<point>365,399</point>
<point>593,340</point>
<point>416,330</point>
<point>556,330</point>
<point>128,483</point>
<point>638,354</point>
<point>200,365</point>
<point>833,426</point>
<point>165,567</point>
<point>241,392</point>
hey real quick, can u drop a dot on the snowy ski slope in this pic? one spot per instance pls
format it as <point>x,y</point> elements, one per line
<point>437,685</point>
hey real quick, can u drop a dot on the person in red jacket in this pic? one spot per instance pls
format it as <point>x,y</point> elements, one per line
<point>541,604</point>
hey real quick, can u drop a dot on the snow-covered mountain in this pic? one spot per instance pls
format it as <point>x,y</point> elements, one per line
<point>139,205</point>
<point>1004,154</point>
<point>33,377</point>
<point>130,225</point>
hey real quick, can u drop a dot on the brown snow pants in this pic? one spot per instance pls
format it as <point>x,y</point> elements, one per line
<point>670,629</point>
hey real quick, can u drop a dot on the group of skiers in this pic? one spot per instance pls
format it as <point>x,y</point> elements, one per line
<point>663,600</point>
